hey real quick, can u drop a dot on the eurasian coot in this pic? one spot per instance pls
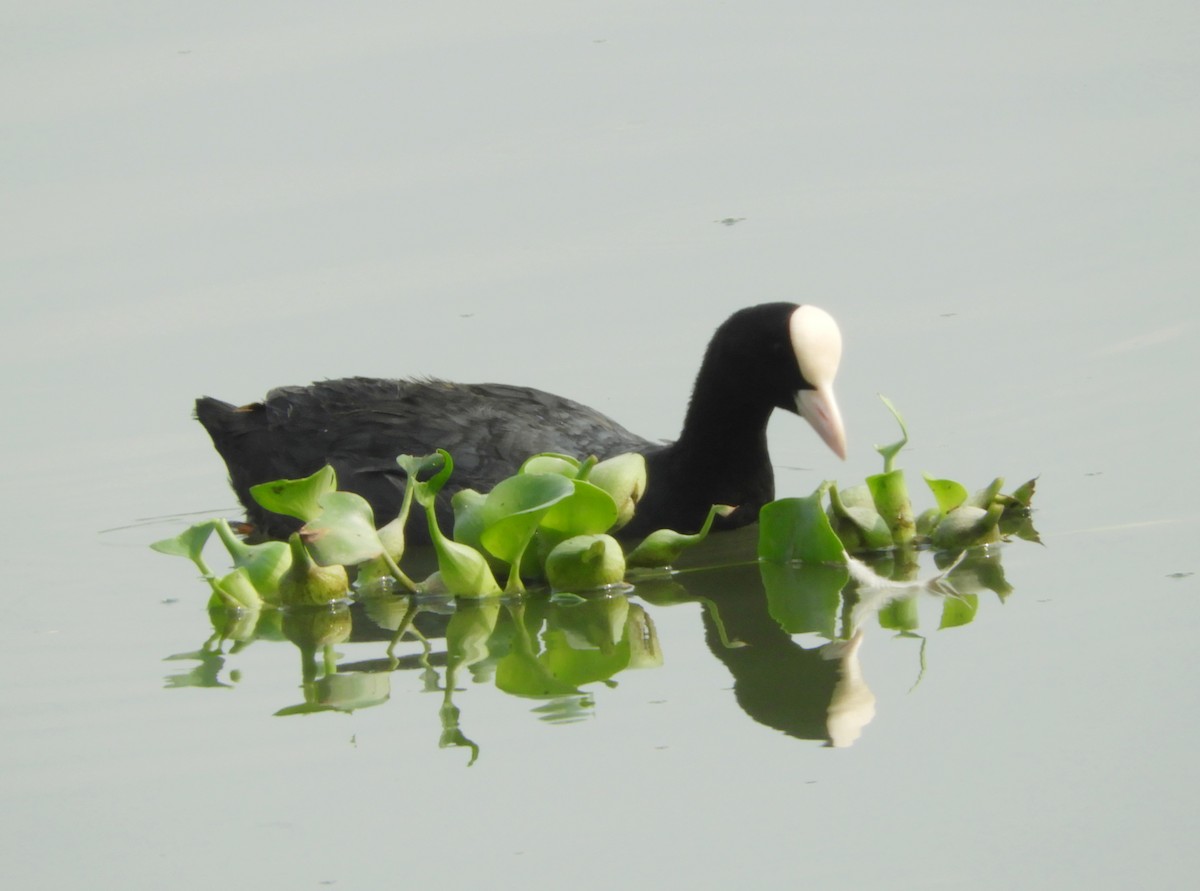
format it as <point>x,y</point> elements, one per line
<point>776,355</point>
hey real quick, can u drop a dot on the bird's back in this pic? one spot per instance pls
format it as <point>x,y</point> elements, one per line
<point>359,425</point>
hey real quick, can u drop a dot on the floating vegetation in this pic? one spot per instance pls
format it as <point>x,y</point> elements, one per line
<point>827,563</point>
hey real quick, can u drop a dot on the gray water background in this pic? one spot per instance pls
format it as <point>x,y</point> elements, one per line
<point>998,203</point>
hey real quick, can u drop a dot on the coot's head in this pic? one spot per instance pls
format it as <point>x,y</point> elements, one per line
<point>778,355</point>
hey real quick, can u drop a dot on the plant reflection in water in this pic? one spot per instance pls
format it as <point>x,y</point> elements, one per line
<point>790,635</point>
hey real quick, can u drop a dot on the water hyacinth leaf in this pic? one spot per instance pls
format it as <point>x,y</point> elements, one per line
<point>806,597</point>
<point>958,611</point>
<point>984,497</point>
<point>392,534</point>
<point>306,583</point>
<point>551,462</point>
<point>463,570</point>
<point>467,505</point>
<point>189,543</point>
<point>439,464</point>
<point>513,509</point>
<point>889,491</point>
<point>344,532</point>
<point>296,498</point>
<point>889,452</point>
<point>967,526</point>
<point>240,625</point>
<point>664,546</point>
<point>588,511</point>
<point>1023,494</point>
<point>856,496</point>
<point>585,562</point>
<point>949,494</point>
<point>235,591</point>
<point>927,521</point>
<point>858,526</point>
<point>1019,525</point>
<point>511,513</point>
<point>798,529</point>
<point>624,478</point>
<point>264,563</point>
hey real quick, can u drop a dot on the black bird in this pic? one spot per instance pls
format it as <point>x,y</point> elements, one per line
<point>776,355</point>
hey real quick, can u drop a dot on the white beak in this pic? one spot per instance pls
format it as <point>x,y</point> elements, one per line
<point>820,409</point>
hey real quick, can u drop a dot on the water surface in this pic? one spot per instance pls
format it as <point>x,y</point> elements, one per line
<point>999,206</point>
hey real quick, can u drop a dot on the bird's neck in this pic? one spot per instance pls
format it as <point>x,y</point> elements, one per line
<point>723,431</point>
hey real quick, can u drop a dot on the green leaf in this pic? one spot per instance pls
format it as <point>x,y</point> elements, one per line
<point>927,521</point>
<point>797,529</point>
<point>551,462</point>
<point>584,562</point>
<point>296,498</point>
<point>235,591</point>
<point>468,516</point>
<point>624,478</point>
<point>889,491</point>
<point>966,526</point>
<point>889,452</point>
<point>858,526</point>
<point>344,531</point>
<point>664,546</point>
<point>984,497</point>
<point>463,570</point>
<point>511,513</point>
<point>948,493</point>
<point>264,563</point>
<point>308,584</point>
<point>189,543</point>
<point>440,464</point>
<point>1023,494</point>
<point>588,511</point>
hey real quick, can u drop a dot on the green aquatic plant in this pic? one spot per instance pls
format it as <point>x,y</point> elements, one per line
<point>297,498</point>
<point>308,583</point>
<point>664,546</point>
<point>461,568</point>
<point>264,563</point>
<point>878,516</point>
<point>585,562</point>
<point>510,514</point>
<point>798,529</point>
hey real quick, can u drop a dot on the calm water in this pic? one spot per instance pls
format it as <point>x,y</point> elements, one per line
<point>999,206</point>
